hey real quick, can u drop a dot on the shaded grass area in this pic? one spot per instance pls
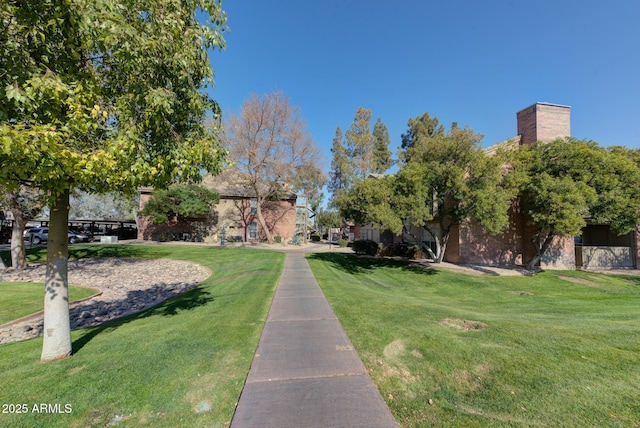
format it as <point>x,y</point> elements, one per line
<point>20,299</point>
<point>182,363</point>
<point>448,349</point>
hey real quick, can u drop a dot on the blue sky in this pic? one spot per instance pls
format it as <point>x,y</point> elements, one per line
<point>471,61</point>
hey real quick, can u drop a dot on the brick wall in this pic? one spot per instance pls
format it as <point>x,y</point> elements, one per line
<point>560,255</point>
<point>636,247</point>
<point>504,249</point>
<point>234,213</point>
<point>280,217</point>
<point>543,122</point>
<point>452,252</point>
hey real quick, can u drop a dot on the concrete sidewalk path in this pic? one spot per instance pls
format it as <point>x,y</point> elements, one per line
<point>305,372</point>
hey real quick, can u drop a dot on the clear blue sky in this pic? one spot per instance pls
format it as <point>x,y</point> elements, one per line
<point>471,61</point>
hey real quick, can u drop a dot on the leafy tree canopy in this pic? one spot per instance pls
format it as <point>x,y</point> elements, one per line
<point>180,201</point>
<point>341,167</point>
<point>570,183</point>
<point>360,153</point>
<point>421,127</point>
<point>102,95</point>
<point>446,180</point>
<point>105,95</point>
<point>329,219</point>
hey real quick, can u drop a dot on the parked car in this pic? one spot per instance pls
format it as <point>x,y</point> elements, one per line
<point>80,233</point>
<point>38,235</point>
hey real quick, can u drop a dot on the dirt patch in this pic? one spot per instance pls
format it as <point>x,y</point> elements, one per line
<point>466,381</point>
<point>75,370</point>
<point>578,281</point>
<point>521,293</point>
<point>466,325</point>
<point>394,350</point>
<point>416,354</point>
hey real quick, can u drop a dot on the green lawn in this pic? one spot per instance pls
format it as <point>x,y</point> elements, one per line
<point>20,299</point>
<point>447,349</point>
<point>182,363</point>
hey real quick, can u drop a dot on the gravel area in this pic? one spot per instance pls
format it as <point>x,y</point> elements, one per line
<point>125,286</point>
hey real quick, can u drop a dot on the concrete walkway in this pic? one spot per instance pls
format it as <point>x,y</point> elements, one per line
<point>305,372</point>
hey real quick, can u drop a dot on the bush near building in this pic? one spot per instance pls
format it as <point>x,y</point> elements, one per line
<point>366,246</point>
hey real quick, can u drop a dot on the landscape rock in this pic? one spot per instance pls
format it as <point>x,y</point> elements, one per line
<point>125,286</point>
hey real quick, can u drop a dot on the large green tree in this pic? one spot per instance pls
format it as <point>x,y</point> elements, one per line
<point>447,180</point>
<point>341,168</point>
<point>359,153</point>
<point>420,127</point>
<point>457,182</point>
<point>180,201</point>
<point>373,200</point>
<point>382,154</point>
<point>570,183</point>
<point>328,219</point>
<point>102,95</point>
<point>367,151</point>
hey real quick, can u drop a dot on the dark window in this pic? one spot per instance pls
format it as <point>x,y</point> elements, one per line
<point>253,230</point>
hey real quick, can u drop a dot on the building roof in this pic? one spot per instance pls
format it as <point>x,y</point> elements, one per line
<point>232,183</point>
<point>507,144</point>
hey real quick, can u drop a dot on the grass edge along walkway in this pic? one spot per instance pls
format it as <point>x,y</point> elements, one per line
<point>305,372</point>
<point>181,363</point>
<point>456,350</point>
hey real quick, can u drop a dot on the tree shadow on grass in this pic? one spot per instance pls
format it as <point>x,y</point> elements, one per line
<point>97,251</point>
<point>353,264</point>
<point>631,279</point>
<point>86,251</point>
<point>186,301</point>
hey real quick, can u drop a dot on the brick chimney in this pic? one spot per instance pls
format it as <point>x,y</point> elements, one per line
<point>543,122</point>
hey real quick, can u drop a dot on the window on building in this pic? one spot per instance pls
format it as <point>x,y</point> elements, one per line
<point>253,206</point>
<point>253,230</point>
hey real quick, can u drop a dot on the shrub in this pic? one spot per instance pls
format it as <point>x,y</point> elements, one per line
<point>277,239</point>
<point>343,242</point>
<point>315,237</point>
<point>367,247</point>
<point>415,252</point>
<point>387,251</point>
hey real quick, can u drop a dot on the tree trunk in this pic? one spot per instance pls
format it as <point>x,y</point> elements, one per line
<point>262,223</point>
<point>442,238</point>
<point>18,255</point>
<point>57,327</point>
<point>442,247</point>
<point>540,249</point>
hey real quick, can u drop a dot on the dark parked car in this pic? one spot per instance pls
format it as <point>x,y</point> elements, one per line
<point>41,234</point>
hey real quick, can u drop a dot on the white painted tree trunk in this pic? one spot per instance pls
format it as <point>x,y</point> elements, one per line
<point>57,327</point>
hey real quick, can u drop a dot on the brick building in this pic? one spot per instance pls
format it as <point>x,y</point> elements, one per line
<point>234,215</point>
<point>596,248</point>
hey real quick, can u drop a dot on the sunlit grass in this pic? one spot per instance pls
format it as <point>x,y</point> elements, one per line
<point>182,363</point>
<point>20,299</point>
<point>448,349</point>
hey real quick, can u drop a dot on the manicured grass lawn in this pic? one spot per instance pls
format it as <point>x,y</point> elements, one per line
<point>448,349</point>
<point>159,368</point>
<point>20,299</point>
